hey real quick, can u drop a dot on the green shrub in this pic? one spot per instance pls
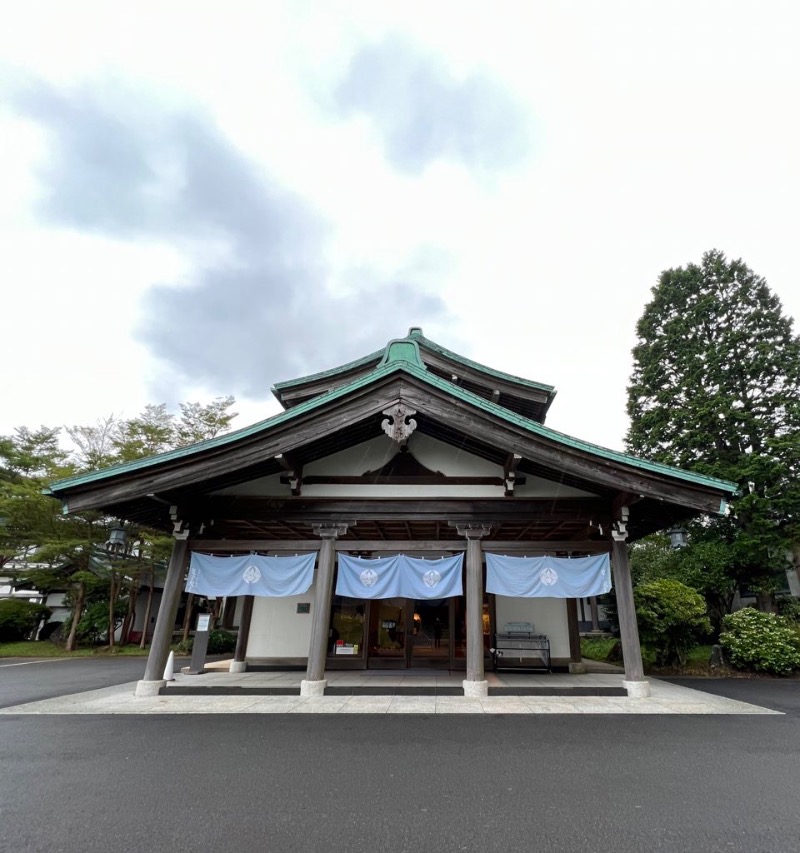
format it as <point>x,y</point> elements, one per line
<point>184,647</point>
<point>672,619</point>
<point>19,618</point>
<point>760,641</point>
<point>93,626</point>
<point>221,642</point>
<point>789,607</point>
<point>596,648</point>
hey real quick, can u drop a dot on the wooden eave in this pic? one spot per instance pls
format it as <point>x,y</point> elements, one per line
<point>144,494</point>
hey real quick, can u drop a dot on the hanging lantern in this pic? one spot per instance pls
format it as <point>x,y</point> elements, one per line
<point>677,538</point>
<point>117,540</point>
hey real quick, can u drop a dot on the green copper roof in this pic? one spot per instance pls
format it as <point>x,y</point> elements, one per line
<point>416,337</point>
<point>334,371</point>
<point>399,357</point>
<point>415,333</point>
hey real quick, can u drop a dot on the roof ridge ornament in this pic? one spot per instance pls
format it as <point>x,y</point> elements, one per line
<point>402,349</point>
<point>399,423</point>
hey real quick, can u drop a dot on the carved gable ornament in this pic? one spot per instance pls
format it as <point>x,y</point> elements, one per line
<point>399,423</point>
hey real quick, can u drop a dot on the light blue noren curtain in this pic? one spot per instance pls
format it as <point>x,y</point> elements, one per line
<point>270,577</point>
<point>548,577</point>
<point>399,576</point>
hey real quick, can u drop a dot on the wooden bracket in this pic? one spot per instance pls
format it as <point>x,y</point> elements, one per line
<point>510,472</point>
<point>294,472</point>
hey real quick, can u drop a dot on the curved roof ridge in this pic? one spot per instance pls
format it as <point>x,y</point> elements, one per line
<point>415,335</point>
<point>500,374</point>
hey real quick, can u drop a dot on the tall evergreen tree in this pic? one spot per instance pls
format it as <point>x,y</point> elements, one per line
<point>716,389</point>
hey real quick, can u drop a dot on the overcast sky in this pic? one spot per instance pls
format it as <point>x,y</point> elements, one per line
<point>201,199</point>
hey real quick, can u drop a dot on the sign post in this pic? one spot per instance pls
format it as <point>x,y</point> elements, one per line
<point>200,646</point>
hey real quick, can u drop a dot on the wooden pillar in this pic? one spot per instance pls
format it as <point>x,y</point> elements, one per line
<point>626,612</point>
<point>165,622</point>
<point>229,611</point>
<point>576,664</point>
<point>595,614</point>
<point>240,655</point>
<point>475,683</point>
<point>314,683</point>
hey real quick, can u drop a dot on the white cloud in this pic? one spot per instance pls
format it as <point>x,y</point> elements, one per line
<point>658,132</point>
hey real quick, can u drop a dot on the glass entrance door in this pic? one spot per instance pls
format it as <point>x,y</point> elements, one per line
<point>387,635</point>
<point>430,633</point>
<point>408,633</point>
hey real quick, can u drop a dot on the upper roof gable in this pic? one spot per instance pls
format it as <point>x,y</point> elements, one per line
<point>532,399</point>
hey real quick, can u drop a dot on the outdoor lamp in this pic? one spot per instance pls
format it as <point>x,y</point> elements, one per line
<point>117,540</point>
<point>677,538</point>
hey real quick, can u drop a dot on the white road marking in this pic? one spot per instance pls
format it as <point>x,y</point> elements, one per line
<point>27,662</point>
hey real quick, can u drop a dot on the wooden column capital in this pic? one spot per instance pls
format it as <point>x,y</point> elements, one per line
<point>473,531</point>
<point>331,530</point>
<point>619,528</point>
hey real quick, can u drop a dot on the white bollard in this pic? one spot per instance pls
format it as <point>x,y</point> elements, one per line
<point>169,675</point>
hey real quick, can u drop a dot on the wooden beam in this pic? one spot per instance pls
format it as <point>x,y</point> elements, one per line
<point>383,480</point>
<point>404,510</point>
<point>296,545</point>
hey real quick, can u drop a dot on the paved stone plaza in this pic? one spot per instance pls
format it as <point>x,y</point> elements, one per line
<point>665,699</point>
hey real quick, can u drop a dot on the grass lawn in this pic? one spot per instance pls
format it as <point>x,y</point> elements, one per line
<point>46,649</point>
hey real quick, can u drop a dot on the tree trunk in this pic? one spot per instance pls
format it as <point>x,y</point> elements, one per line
<point>130,615</point>
<point>76,617</point>
<point>765,602</point>
<point>146,625</point>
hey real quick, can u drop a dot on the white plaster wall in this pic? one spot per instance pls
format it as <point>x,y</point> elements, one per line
<point>367,456</point>
<point>262,487</point>
<point>141,608</point>
<point>538,487</point>
<point>277,630</point>
<point>450,460</point>
<point>374,454</point>
<point>549,616</point>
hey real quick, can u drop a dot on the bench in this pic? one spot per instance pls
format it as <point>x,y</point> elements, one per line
<point>519,647</point>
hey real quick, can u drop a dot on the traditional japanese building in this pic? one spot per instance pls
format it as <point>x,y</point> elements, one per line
<point>411,450</point>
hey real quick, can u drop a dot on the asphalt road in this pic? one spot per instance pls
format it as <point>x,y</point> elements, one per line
<point>364,784</point>
<point>29,679</point>
<point>780,694</point>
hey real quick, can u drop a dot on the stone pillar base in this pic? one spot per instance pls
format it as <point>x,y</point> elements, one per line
<point>576,668</point>
<point>238,666</point>
<point>149,688</point>
<point>313,688</point>
<point>637,689</point>
<point>475,688</point>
